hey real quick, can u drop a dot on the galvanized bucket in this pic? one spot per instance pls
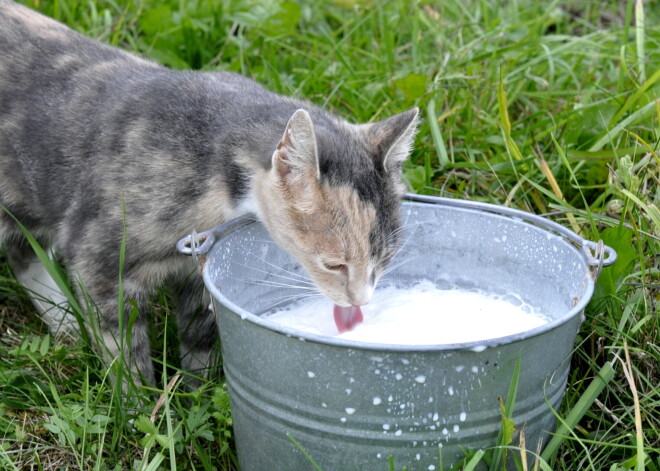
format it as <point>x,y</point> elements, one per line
<point>299,398</point>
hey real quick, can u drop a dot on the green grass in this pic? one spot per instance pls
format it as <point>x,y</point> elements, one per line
<point>551,107</point>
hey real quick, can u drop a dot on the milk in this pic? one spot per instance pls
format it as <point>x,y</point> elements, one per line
<point>420,315</point>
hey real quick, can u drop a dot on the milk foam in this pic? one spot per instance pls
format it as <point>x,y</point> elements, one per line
<point>421,315</point>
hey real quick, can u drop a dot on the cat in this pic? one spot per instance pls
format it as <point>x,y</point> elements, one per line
<point>96,142</point>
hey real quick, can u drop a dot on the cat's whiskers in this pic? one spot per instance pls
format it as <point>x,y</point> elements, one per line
<point>267,241</point>
<point>391,268</point>
<point>290,299</point>
<point>284,281</point>
<point>392,235</point>
<point>292,275</point>
<point>407,239</point>
<point>306,289</point>
<point>277,284</point>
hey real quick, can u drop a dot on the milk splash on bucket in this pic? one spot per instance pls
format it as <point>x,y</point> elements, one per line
<point>420,315</point>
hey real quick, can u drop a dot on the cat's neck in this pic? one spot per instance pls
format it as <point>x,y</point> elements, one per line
<point>250,204</point>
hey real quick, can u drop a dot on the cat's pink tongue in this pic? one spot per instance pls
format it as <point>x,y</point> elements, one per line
<point>347,317</point>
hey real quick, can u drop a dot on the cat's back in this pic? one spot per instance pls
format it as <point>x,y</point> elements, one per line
<point>19,23</point>
<point>52,74</point>
<point>40,54</point>
<point>76,114</point>
<point>28,38</point>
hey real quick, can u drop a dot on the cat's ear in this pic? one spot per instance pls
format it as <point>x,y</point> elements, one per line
<point>296,155</point>
<point>393,139</point>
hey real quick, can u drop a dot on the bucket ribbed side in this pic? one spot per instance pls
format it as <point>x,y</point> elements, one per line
<point>359,441</point>
<point>332,413</point>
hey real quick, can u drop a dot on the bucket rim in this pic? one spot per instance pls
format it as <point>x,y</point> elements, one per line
<point>476,346</point>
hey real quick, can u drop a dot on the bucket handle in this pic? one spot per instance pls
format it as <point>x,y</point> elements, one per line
<point>596,254</point>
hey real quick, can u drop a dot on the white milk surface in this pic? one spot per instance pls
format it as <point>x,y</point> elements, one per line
<point>421,315</point>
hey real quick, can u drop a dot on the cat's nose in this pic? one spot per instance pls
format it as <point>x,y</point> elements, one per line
<point>363,296</point>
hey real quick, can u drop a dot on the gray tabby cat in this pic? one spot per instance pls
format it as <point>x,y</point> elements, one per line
<point>89,133</point>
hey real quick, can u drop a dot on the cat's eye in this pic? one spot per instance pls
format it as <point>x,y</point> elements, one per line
<point>334,266</point>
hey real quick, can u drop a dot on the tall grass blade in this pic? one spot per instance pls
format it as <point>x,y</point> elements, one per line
<point>48,264</point>
<point>474,461</point>
<point>503,106</point>
<point>651,210</point>
<point>124,333</point>
<point>634,98</point>
<point>600,381</point>
<point>646,145</point>
<point>155,463</point>
<point>505,122</point>
<point>609,136</point>
<point>504,436</point>
<point>438,141</point>
<point>639,436</point>
<point>6,461</point>
<point>567,164</point>
<point>639,39</point>
<point>304,452</point>
<point>168,412</point>
<point>545,169</point>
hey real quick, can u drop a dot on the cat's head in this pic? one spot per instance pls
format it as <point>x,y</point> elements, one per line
<point>332,199</point>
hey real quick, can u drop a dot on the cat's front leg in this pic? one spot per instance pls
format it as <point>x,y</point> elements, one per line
<point>197,327</point>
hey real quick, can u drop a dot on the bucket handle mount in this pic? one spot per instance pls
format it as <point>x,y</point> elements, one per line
<point>198,244</point>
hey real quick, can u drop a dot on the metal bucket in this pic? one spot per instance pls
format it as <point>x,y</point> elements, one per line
<point>351,406</point>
